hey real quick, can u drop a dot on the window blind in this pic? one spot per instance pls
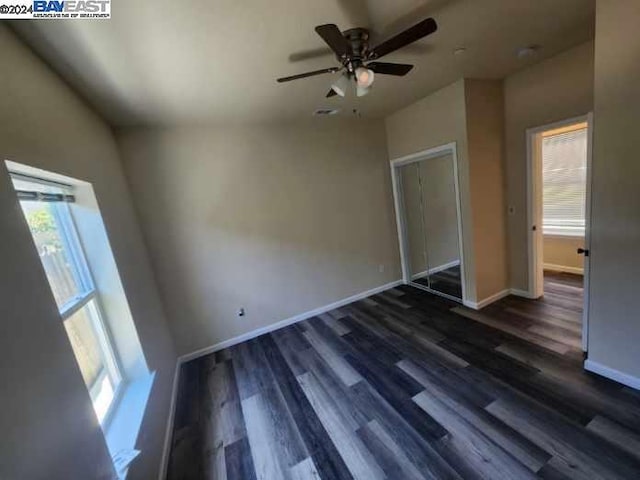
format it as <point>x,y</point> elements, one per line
<point>38,190</point>
<point>44,197</point>
<point>564,172</point>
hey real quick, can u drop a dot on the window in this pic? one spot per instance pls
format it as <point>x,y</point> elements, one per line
<point>46,208</point>
<point>564,172</point>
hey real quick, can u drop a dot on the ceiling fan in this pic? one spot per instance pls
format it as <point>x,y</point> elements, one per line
<point>358,61</point>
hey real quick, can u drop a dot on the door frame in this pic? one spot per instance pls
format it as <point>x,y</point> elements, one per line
<point>534,213</point>
<point>401,224</point>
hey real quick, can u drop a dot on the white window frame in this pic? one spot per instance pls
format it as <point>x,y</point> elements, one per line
<point>68,230</point>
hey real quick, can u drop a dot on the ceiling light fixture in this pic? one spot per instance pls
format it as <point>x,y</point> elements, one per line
<point>364,77</point>
<point>326,111</point>
<point>362,91</point>
<point>341,85</point>
<point>528,51</point>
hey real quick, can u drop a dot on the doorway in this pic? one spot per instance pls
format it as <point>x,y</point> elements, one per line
<point>426,193</point>
<point>559,170</point>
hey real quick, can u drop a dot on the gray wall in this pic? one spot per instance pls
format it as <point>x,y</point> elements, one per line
<point>47,421</point>
<point>556,89</point>
<point>614,326</point>
<point>277,219</point>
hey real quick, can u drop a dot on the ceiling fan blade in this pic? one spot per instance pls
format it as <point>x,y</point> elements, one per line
<point>421,30</point>
<point>309,74</point>
<point>332,35</point>
<point>332,93</point>
<point>398,69</point>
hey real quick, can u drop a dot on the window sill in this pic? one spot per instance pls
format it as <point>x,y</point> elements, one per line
<point>121,432</point>
<point>563,231</point>
<point>564,235</point>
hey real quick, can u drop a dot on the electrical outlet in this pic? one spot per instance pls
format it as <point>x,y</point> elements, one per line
<point>241,312</point>
<point>381,268</point>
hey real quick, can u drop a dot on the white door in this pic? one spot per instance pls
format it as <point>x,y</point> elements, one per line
<point>587,238</point>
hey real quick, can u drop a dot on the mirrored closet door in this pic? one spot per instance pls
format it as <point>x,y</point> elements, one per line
<point>427,200</point>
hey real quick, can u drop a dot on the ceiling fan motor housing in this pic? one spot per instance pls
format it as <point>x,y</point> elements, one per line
<point>358,39</point>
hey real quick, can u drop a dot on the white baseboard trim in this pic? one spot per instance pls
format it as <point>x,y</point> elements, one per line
<point>521,293</point>
<point>562,268</point>
<point>613,374</point>
<point>498,296</point>
<point>169,428</point>
<point>483,303</point>
<point>424,273</point>
<point>437,269</point>
<point>286,322</point>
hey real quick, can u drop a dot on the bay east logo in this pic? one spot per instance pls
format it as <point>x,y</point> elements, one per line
<point>72,8</point>
<point>54,9</point>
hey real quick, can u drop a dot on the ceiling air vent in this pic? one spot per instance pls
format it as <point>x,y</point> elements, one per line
<point>325,111</point>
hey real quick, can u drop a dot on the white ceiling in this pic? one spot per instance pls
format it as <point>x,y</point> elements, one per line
<point>160,62</point>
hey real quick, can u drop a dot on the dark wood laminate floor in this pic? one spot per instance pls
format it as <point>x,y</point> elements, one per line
<point>553,322</point>
<point>447,281</point>
<point>400,386</point>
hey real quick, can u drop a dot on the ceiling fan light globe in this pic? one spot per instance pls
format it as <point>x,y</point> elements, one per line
<point>364,77</point>
<point>362,91</point>
<point>338,90</point>
<point>341,85</point>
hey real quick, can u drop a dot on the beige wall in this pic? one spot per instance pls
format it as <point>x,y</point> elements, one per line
<point>485,133</point>
<point>279,220</point>
<point>562,253</point>
<point>47,420</point>
<point>614,324</point>
<point>436,120</point>
<point>555,89</point>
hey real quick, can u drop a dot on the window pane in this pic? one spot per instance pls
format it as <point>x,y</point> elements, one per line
<point>98,369</point>
<point>53,247</point>
<point>103,397</point>
<point>86,345</point>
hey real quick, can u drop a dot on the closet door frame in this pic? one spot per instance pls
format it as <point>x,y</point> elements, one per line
<point>401,223</point>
